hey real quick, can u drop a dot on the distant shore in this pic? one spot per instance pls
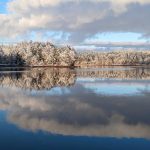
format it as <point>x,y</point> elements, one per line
<point>38,54</point>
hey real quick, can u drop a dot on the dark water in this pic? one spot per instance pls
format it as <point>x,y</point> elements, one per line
<point>51,108</point>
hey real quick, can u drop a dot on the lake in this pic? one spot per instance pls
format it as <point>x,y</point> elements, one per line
<point>76,109</point>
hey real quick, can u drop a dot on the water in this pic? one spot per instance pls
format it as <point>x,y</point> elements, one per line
<point>51,108</point>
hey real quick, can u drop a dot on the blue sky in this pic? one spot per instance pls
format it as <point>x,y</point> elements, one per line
<point>118,37</point>
<point>3,6</point>
<point>99,21</point>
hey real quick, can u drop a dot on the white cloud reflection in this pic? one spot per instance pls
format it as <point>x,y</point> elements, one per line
<point>82,112</point>
<point>79,111</point>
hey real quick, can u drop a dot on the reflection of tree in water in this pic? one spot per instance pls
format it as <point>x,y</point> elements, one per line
<point>46,78</point>
<point>81,112</point>
<point>39,78</point>
<point>122,73</point>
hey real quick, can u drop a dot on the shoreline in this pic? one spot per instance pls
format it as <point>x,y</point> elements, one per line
<point>71,67</point>
<point>38,54</point>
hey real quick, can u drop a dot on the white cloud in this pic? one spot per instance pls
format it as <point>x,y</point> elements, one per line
<point>79,18</point>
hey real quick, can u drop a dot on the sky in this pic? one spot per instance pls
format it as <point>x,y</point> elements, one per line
<point>76,22</point>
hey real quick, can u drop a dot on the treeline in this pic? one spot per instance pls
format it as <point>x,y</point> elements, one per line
<point>121,58</point>
<point>47,54</point>
<point>37,54</point>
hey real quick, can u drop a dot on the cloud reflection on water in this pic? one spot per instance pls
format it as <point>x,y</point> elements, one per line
<point>80,111</point>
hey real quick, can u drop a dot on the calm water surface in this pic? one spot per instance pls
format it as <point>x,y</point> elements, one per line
<point>51,108</point>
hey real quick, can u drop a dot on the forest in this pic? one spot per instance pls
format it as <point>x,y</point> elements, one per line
<point>47,54</point>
